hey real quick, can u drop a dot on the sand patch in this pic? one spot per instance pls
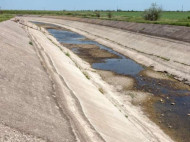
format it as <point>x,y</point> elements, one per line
<point>90,53</point>
<point>156,75</point>
<point>120,82</point>
<point>165,79</point>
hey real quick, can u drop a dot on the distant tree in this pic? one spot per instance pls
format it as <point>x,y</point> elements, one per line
<point>119,10</point>
<point>109,14</point>
<point>97,14</point>
<point>1,11</point>
<point>153,13</point>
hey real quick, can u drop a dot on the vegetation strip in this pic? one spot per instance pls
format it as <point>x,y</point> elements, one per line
<point>180,18</point>
<point>4,17</point>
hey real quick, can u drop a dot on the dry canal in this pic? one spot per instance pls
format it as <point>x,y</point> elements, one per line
<point>170,105</point>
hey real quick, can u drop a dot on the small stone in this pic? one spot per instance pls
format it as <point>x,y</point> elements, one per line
<point>188,114</point>
<point>161,100</point>
<point>170,126</point>
<point>167,98</point>
<point>162,114</point>
<point>172,103</point>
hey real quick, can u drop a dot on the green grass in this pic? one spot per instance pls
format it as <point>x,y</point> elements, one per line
<point>167,17</point>
<point>86,75</point>
<point>67,54</point>
<point>30,43</point>
<point>4,17</point>
<point>101,90</point>
<point>163,58</point>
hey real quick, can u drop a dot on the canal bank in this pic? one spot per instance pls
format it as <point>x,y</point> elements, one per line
<point>166,104</point>
<point>85,104</point>
<point>172,106</point>
<point>132,113</point>
<point>172,56</point>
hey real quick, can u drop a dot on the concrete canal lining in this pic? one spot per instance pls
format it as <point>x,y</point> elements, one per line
<point>136,123</point>
<point>161,53</point>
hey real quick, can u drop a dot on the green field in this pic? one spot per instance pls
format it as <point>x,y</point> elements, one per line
<point>4,17</point>
<point>170,18</point>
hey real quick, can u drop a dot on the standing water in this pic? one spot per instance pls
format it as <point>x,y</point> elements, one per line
<point>173,113</point>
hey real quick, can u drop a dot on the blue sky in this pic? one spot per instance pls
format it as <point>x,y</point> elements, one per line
<point>92,4</point>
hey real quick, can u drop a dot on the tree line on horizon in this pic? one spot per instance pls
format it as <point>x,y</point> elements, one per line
<point>153,13</point>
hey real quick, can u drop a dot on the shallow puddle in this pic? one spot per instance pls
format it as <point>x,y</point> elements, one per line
<point>171,111</point>
<point>121,65</point>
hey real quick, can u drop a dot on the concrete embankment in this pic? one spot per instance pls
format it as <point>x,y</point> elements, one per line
<point>28,109</point>
<point>180,33</point>
<point>162,54</point>
<point>99,115</point>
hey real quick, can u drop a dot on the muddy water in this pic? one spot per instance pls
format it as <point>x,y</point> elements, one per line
<point>170,108</point>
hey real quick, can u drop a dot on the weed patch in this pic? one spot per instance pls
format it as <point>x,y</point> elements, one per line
<point>30,43</point>
<point>67,54</point>
<point>86,75</point>
<point>101,90</point>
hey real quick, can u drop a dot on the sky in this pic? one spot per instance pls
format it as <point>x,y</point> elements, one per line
<point>93,4</point>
